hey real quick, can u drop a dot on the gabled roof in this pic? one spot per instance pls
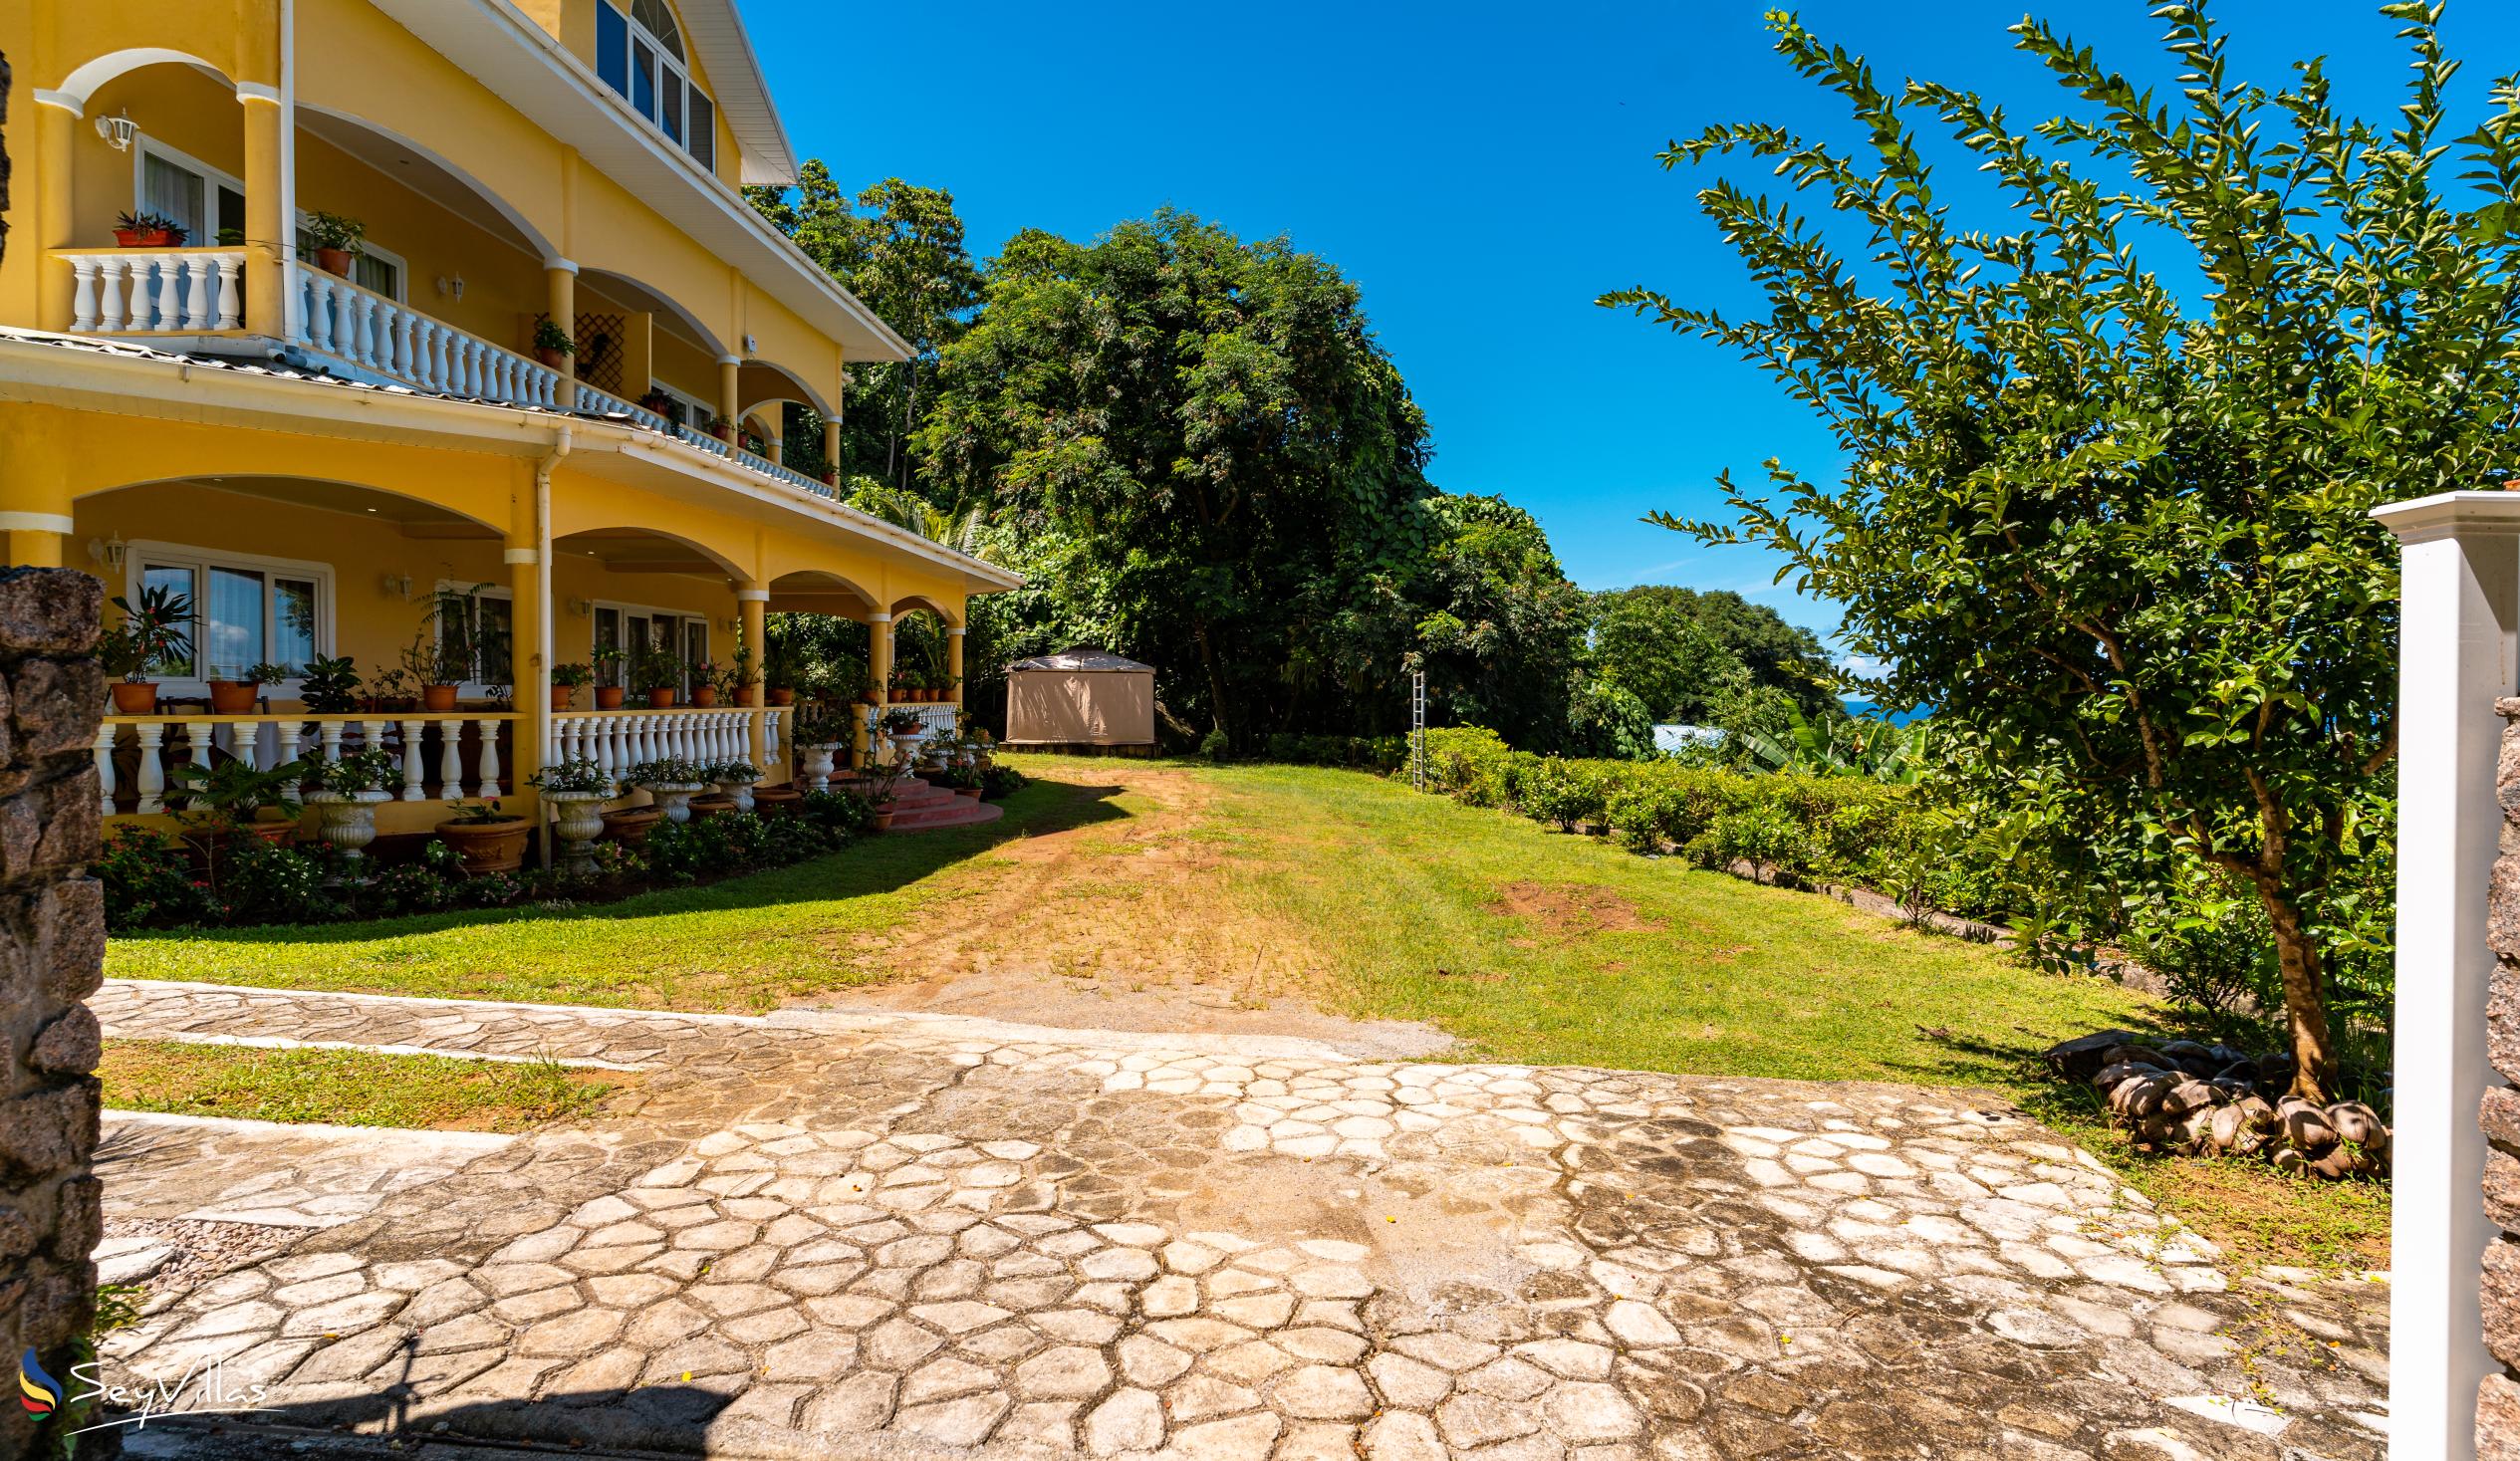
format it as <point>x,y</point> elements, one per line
<point>714,29</point>
<point>1083,659</point>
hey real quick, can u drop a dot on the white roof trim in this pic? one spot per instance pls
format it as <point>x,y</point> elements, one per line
<point>715,30</point>
<point>528,68</point>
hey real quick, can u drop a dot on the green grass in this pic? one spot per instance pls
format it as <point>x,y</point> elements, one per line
<point>744,943</point>
<point>1653,965</point>
<point>345,1088</point>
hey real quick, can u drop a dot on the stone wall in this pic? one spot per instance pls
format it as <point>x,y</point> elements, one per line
<point>52,957</point>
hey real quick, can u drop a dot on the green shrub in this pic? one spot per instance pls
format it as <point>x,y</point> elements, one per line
<point>149,882</point>
<point>1765,832</point>
<point>1568,793</point>
<point>842,817</point>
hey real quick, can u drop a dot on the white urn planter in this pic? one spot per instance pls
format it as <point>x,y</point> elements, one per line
<point>814,765</point>
<point>741,791</point>
<point>905,744</point>
<point>346,822</point>
<point>674,798</point>
<point>579,821</point>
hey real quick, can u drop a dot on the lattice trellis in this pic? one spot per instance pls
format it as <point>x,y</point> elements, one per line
<point>600,352</point>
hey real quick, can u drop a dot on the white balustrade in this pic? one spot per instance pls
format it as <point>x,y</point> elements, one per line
<point>155,291</point>
<point>384,337</point>
<point>617,740</point>
<point>150,745</point>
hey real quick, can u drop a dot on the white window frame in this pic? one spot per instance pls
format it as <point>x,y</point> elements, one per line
<point>212,180</point>
<point>667,65</point>
<point>143,554</point>
<point>699,413</point>
<point>680,616</point>
<point>480,689</point>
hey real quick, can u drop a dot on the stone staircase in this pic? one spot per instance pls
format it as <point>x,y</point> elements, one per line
<point>919,806</point>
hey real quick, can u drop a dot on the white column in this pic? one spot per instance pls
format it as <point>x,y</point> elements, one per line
<point>489,767</point>
<point>412,771</point>
<point>106,731</point>
<point>82,306</point>
<point>152,771</point>
<point>2460,609</point>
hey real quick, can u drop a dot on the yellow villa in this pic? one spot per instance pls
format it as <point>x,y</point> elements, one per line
<point>310,444</point>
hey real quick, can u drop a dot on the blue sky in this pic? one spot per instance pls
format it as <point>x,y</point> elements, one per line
<point>1483,171</point>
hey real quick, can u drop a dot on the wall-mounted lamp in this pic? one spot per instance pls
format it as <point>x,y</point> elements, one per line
<point>731,625</point>
<point>753,346</point>
<point>453,285</point>
<point>117,131</point>
<point>398,585</point>
<point>582,607</point>
<point>109,553</point>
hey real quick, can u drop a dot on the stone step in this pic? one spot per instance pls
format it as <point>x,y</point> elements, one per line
<point>958,811</point>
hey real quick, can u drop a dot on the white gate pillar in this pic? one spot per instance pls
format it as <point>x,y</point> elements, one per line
<point>2461,610</point>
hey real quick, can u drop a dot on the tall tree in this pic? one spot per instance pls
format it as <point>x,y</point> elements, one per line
<point>1500,628</point>
<point>1689,655</point>
<point>900,248</point>
<point>2118,537</point>
<point>1201,440</point>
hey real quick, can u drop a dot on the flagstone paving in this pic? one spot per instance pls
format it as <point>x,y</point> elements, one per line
<point>822,1237</point>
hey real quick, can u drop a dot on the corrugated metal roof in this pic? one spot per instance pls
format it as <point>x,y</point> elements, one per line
<point>1083,658</point>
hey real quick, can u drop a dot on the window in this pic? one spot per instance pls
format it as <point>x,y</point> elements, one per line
<point>246,610</point>
<point>688,409</point>
<point>493,614</point>
<point>204,201</point>
<point>629,627</point>
<point>640,55</point>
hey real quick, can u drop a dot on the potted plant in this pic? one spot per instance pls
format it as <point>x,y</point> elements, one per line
<point>962,779</point>
<point>488,838</point>
<point>721,428</point>
<point>704,682</point>
<point>453,644</point>
<point>235,794</point>
<point>881,782</point>
<point>329,686</point>
<point>819,728</point>
<point>345,800</point>
<point>336,240</point>
<point>908,730</point>
<point>778,672</point>
<point>387,691</point>
<point>574,789</point>
<point>552,345</point>
<point>672,780</point>
<point>566,681</point>
<point>735,685</point>
<point>735,779</point>
<point>237,696</point>
<point>657,675</point>
<point>154,633</point>
<point>608,664</point>
<point>149,231</point>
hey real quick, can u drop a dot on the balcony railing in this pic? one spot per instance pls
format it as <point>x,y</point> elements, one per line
<point>442,756</point>
<point>377,335</point>
<point>618,740</point>
<point>155,291</point>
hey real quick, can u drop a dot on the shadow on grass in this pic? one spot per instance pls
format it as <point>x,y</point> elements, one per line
<point>874,865</point>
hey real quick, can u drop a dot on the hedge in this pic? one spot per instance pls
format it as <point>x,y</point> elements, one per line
<point>1805,827</point>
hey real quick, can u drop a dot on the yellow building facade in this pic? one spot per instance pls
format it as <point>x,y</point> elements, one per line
<point>311,443</point>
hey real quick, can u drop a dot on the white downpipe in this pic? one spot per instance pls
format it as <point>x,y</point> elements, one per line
<point>560,442</point>
<point>292,307</point>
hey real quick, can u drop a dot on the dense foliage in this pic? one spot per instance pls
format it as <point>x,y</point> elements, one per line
<point>2115,534</point>
<point>1707,658</point>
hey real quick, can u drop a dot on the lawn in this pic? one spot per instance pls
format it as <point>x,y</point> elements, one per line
<point>1357,895</point>
<point>345,1088</point>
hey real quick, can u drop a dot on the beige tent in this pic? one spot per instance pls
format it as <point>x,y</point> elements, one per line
<point>1079,697</point>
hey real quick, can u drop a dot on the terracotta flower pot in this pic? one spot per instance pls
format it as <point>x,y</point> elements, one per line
<point>563,697</point>
<point>437,698</point>
<point>884,821</point>
<point>703,696</point>
<point>234,697</point>
<point>714,804</point>
<point>488,846</point>
<point>550,359</point>
<point>783,697</point>
<point>972,792</point>
<point>660,699</point>
<point>152,238</point>
<point>278,834</point>
<point>334,261</point>
<point>748,695</point>
<point>630,825</point>
<point>134,697</point>
<point>607,697</point>
<point>776,801</point>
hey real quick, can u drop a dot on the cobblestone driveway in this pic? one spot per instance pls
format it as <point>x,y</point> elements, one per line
<point>813,1236</point>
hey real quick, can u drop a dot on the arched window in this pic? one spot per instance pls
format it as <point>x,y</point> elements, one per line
<point>640,56</point>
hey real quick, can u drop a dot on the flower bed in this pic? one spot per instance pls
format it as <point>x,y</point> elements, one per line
<point>154,880</point>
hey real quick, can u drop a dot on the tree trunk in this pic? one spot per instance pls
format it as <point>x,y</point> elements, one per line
<point>1216,681</point>
<point>2305,996</point>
